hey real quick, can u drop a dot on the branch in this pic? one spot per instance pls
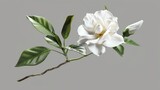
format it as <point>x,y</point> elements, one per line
<point>50,69</point>
<point>75,59</point>
<point>33,75</point>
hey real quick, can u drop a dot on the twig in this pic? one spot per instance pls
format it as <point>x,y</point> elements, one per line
<point>43,72</point>
<point>50,69</point>
<point>75,59</point>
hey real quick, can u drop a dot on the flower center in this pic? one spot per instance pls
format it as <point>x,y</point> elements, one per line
<point>99,30</point>
<point>98,35</point>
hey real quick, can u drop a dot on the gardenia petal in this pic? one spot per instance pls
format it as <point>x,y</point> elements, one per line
<point>96,49</point>
<point>82,31</point>
<point>113,27</point>
<point>103,17</point>
<point>89,22</point>
<point>82,40</point>
<point>113,40</point>
<point>135,26</point>
<point>103,14</point>
<point>98,29</point>
<point>93,41</point>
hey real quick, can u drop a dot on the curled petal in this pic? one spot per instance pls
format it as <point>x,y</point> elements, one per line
<point>98,29</point>
<point>89,22</point>
<point>96,49</point>
<point>103,14</point>
<point>83,39</point>
<point>113,40</point>
<point>104,17</point>
<point>115,19</point>
<point>82,31</point>
<point>113,27</point>
<point>93,41</point>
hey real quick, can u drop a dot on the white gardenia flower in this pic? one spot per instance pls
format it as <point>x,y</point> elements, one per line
<point>135,26</point>
<point>99,31</point>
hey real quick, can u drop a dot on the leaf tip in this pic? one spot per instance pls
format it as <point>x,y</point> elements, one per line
<point>105,7</point>
<point>119,49</point>
<point>17,65</point>
<point>28,17</point>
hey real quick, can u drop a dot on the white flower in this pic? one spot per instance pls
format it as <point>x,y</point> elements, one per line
<point>99,31</point>
<point>135,26</point>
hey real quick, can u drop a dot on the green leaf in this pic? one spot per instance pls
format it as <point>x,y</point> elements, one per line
<point>130,42</point>
<point>119,49</point>
<point>76,48</point>
<point>127,32</point>
<point>67,27</point>
<point>41,24</point>
<point>53,40</point>
<point>33,56</point>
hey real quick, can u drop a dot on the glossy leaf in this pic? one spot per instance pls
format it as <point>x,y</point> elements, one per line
<point>76,48</point>
<point>119,49</point>
<point>41,24</point>
<point>33,56</point>
<point>130,42</point>
<point>67,27</point>
<point>53,40</point>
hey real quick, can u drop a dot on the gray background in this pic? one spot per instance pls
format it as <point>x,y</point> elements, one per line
<point>139,69</point>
